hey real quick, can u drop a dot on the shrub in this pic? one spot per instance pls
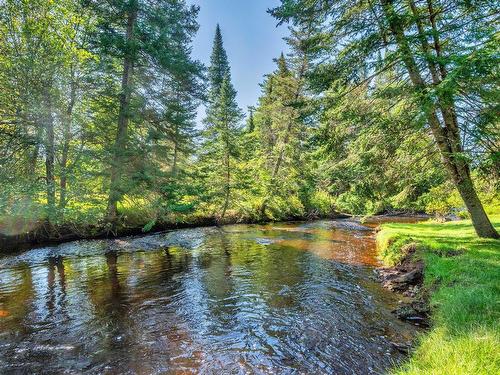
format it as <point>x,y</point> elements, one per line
<point>322,202</point>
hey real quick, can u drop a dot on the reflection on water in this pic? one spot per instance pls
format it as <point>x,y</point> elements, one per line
<point>287,298</point>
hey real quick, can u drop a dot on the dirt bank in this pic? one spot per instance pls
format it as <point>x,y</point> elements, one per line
<point>407,278</point>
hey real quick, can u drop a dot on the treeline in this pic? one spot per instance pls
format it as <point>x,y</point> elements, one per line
<point>379,106</point>
<point>98,106</point>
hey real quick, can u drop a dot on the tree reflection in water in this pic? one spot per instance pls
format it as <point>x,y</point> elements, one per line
<point>275,298</point>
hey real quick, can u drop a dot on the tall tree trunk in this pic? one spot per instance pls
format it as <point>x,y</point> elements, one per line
<point>49,156</point>
<point>227,187</point>
<point>66,143</point>
<point>120,145</point>
<point>176,151</point>
<point>446,135</point>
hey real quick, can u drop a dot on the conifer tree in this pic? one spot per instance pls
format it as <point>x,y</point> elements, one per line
<point>219,65</point>
<point>148,38</point>
<point>415,36</point>
<point>251,122</point>
<point>282,112</point>
<point>220,147</point>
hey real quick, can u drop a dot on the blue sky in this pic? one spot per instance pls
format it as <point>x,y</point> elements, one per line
<point>251,39</point>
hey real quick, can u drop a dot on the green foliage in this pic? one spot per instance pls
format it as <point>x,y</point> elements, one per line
<point>61,66</point>
<point>281,208</point>
<point>373,160</point>
<point>444,199</point>
<point>221,134</point>
<point>322,203</point>
<point>337,127</point>
<point>394,89</point>
<point>219,65</point>
<point>149,226</point>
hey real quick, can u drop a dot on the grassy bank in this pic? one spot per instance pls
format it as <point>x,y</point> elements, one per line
<point>462,274</point>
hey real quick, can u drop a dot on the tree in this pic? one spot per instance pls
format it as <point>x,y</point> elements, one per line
<point>41,45</point>
<point>148,37</point>
<point>411,33</point>
<point>251,122</point>
<point>373,156</point>
<point>282,111</point>
<point>219,66</point>
<point>129,59</point>
<point>171,144</point>
<point>221,133</point>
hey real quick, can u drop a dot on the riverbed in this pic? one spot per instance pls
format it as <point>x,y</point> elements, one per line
<point>280,298</point>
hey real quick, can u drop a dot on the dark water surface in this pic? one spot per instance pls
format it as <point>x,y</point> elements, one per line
<point>287,298</point>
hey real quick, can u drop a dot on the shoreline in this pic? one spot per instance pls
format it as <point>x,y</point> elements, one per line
<point>449,278</point>
<point>407,279</point>
<point>44,234</point>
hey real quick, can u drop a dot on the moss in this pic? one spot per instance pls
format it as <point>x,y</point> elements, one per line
<point>462,273</point>
<point>393,247</point>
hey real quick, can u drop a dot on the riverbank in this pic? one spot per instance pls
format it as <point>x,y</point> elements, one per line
<point>461,285</point>
<point>24,235</point>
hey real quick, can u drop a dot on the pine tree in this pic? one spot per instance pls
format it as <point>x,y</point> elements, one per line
<point>413,36</point>
<point>219,65</point>
<point>129,60</point>
<point>281,112</point>
<point>149,39</point>
<point>220,147</point>
<point>282,66</point>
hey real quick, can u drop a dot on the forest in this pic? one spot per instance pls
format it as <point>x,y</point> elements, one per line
<point>379,106</point>
<point>347,222</point>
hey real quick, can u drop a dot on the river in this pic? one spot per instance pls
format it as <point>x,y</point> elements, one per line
<point>280,298</point>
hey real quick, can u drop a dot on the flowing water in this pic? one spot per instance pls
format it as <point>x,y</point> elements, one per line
<point>288,298</point>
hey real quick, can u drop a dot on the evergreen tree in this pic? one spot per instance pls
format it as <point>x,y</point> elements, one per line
<point>282,113</point>
<point>220,147</point>
<point>251,122</point>
<point>150,38</point>
<point>219,65</point>
<point>171,143</point>
<point>414,37</point>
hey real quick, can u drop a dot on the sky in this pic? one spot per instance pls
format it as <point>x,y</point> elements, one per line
<point>251,40</point>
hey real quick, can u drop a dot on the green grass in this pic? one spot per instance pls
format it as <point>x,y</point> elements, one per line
<point>465,296</point>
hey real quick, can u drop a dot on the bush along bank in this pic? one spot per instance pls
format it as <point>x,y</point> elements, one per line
<point>451,279</point>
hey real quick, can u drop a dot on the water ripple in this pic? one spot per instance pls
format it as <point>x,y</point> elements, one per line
<point>279,298</point>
